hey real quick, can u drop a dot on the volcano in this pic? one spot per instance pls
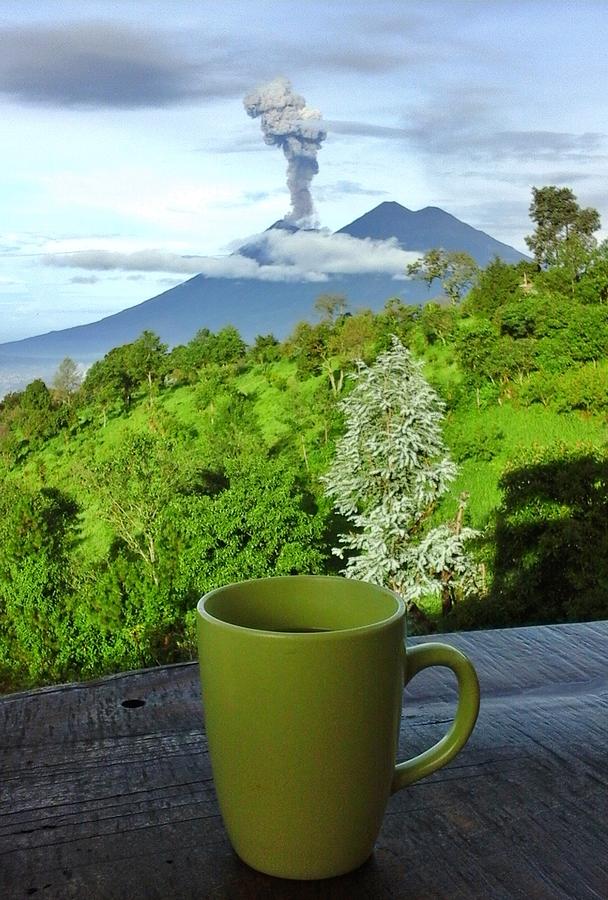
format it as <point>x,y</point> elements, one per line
<point>252,305</point>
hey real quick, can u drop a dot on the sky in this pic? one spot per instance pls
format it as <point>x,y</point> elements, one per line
<point>128,161</point>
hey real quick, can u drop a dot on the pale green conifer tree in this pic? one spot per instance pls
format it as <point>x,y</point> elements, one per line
<point>390,469</point>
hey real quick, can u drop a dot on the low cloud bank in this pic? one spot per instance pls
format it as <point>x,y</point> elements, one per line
<point>275,255</point>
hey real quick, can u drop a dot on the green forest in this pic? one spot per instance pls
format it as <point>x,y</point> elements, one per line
<point>127,494</point>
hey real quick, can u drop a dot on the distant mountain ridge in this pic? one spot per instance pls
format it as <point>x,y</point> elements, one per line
<point>253,306</point>
<point>429,227</point>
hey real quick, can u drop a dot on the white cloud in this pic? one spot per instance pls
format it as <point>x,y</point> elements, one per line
<point>337,254</point>
<point>279,256</point>
<point>235,266</point>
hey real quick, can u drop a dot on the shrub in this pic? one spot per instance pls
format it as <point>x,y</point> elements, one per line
<point>551,555</point>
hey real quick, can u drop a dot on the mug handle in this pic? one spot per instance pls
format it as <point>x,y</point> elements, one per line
<point>421,657</point>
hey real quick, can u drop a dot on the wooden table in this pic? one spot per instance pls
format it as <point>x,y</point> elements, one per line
<point>107,792</point>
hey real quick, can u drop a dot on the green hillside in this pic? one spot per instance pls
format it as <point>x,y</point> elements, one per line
<point>166,473</point>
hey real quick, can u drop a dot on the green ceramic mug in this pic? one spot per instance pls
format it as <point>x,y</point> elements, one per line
<point>302,679</point>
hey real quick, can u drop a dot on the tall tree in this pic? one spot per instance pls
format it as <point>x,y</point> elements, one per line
<point>146,359</point>
<point>110,380</point>
<point>135,484</point>
<point>560,223</point>
<point>389,471</point>
<point>497,284</point>
<point>331,306</point>
<point>455,270</point>
<point>206,348</point>
<point>37,419</point>
<point>67,380</point>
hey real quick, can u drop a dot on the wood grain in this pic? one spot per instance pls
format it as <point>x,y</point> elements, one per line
<point>99,800</point>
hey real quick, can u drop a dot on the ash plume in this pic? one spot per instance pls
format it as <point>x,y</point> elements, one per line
<point>288,123</point>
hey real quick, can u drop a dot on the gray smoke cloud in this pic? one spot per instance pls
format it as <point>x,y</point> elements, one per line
<point>288,123</point>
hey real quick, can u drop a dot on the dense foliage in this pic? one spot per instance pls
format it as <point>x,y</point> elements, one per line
<point>164,472</point>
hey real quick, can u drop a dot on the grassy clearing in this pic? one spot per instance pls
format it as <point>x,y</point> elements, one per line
<point>511,434</point>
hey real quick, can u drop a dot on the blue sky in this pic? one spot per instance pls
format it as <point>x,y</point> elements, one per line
<point>126,150</point>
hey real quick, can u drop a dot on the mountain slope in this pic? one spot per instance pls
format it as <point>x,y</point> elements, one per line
<point>253,306</point>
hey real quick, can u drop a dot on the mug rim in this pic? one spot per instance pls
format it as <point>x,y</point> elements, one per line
<point>334,634</point>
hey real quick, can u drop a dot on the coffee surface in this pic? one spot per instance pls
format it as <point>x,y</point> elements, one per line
<point>285,630</point>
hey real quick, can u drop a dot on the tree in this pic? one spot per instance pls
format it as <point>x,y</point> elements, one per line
<point>67,380</point>
<point>228,347</point>
<point>331,306</point>
<point>223,348</point>
<point>353,338</point>
<point>230,426</point>
<point>110,380</point>
<point>560,224</point>
<point>135,484</point>
<point>266,348</point>
<point>37,418</point>
<point>429,267</point>
<point>330,346</point>
<point>397,318</point>
<point>437,322</point>
<point>454,268</point>
<point>179,367</point>
<point>146,359</point>
<point>36,397</point>
<point>389,471</point>
<point>478,351</point>
<point>593,285</point>
<point>38,532</point>
<point>116,376</point>
<point>497,284</point>
<point>307,346</point>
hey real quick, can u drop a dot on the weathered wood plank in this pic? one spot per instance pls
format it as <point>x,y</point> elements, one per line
<point>100,800</point>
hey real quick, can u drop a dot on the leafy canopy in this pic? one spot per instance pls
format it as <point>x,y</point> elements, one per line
<point>455,270</point>
<point>560,224</point>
